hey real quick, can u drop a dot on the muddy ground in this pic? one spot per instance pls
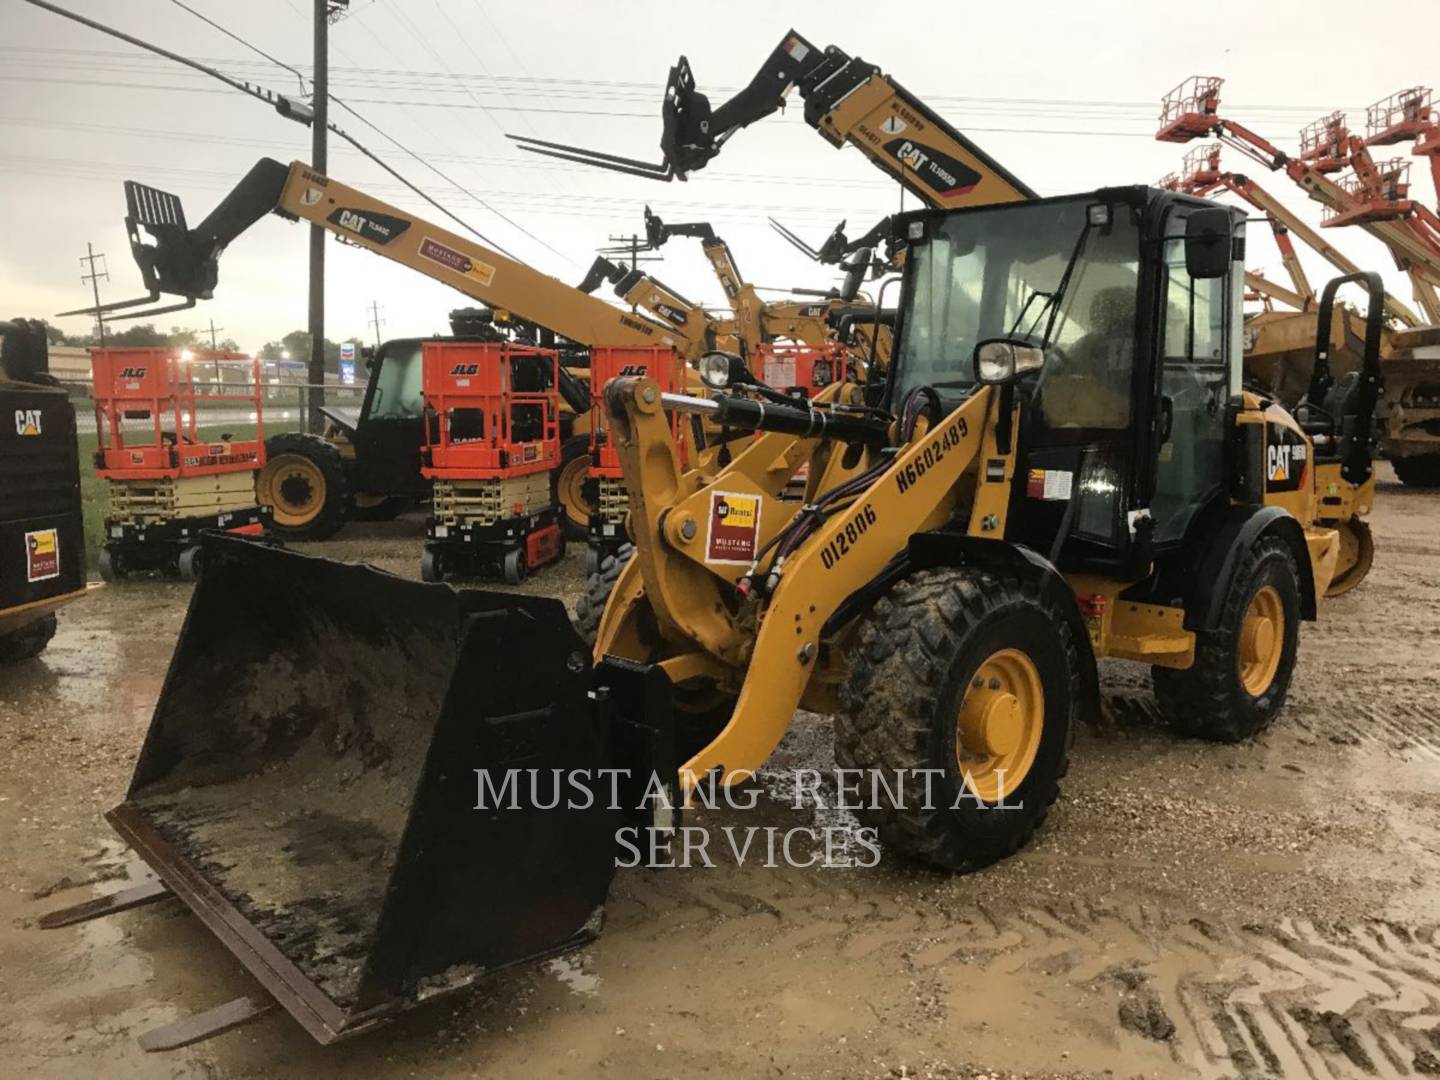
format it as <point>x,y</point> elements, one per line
<point>1268,909</point>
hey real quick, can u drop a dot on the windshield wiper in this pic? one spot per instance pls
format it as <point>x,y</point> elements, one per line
<point>1053,298</point>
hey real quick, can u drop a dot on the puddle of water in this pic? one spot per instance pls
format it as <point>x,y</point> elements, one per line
<point>569,970</point>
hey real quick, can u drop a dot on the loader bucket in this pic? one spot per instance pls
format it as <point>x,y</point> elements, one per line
<point>308,783</point>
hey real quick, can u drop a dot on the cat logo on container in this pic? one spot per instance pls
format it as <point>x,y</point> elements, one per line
<point>734,531</point>
<point>42,555</point>
<point>27,422</point>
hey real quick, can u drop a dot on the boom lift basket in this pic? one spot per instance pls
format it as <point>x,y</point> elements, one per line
<point>310,782</point>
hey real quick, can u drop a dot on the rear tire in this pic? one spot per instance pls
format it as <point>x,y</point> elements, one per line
<point>305,483</point>
<point>573,488</point>
<point>1242,669</point>
<point>432,566</point>
<point>378,507</point>
<point>1359,546</point>
<point>916,700</point>
<point>29,641</point>
<point>1418,470</point>
<point>515,568</point>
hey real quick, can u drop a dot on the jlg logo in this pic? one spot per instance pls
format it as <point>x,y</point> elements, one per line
<point>465,369</point>
<point>132,373</point>
<point>634,369</point>
<point>27,421</point>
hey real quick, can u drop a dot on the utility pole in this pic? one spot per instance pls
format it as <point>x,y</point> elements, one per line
<point>215,348</point>
<point>318,130</point>
<point>94,278</point>
<point>326,11</point>
<point>375,320</point>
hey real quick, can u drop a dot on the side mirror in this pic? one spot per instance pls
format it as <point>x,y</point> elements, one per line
<point>719,370</point>
<point>1000,360</point>
<point>1207,242</point>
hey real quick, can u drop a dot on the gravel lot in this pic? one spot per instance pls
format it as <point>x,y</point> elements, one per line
<point>1189,910</point>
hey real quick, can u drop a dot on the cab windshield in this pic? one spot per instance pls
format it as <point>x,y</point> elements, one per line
<point>1045,273</point>
<point>398,387</point>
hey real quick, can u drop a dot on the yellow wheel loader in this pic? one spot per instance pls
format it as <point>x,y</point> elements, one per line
<point>360,783</point>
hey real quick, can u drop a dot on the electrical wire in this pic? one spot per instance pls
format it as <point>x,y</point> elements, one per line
<point>273,99</point>
<point>253,48</point>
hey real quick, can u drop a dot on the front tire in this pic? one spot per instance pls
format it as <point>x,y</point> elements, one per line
<point>514,567</point>
<point>1242,669</point>
<point>190,563</point>
<point>29,641</point>
<point>304,482</point>
<point>977,677</point>
<point>112,565</point>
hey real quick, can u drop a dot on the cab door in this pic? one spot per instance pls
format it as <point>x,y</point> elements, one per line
<point>1199,361</point>
<point>391,427</point>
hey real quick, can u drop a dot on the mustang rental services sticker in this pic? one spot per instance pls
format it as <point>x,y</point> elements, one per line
<point>734,527</point>
<point>42,555</point>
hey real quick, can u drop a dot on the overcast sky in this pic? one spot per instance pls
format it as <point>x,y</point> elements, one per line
<point>1064,94</point>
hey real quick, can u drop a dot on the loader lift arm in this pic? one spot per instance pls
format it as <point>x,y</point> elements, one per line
<point>846,100</point>
<point>182,261</point>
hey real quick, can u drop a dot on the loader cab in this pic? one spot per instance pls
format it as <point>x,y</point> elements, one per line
<point>1121,442</point>
<point>390,428</point>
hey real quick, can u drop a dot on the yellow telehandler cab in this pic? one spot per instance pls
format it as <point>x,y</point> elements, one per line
<point>1060,466</point>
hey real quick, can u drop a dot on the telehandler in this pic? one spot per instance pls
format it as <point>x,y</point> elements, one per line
<point>1060,466</point>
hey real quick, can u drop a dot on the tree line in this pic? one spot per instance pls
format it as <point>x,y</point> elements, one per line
<point>147,335</point>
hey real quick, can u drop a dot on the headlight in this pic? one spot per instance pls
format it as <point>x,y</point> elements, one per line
<point>1001,361</point>
<point>715,370</point>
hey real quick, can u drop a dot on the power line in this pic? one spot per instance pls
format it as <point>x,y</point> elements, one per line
<point>395,142</point>
<point>253,48</point>
<point>269,97</point>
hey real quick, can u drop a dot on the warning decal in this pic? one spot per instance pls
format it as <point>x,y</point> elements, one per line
<point>42,555</point>
<point>1051,484</point>
<point>734,527</point>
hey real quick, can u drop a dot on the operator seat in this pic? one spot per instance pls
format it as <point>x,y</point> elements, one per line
<point>1090,388</point>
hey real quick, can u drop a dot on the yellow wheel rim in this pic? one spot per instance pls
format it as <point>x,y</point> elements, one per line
<point>294,487</point>
<point>998,729</point>
<point>1262,640</point>
<point>571,488</point>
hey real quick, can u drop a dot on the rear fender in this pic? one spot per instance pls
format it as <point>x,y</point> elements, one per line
<point>1220,550</point>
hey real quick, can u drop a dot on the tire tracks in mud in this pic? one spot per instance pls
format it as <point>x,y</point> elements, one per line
<point>1290,998</point>
<point>1405,719</point>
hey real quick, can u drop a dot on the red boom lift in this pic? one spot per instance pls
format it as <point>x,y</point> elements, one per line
<point>167,484</point>
<point>492,439</point>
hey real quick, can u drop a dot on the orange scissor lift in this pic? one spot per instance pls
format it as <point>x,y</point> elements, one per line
<point>492,440</point>
<point>167,485</point>
<point>800,369</point>
<point>612,501</point>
